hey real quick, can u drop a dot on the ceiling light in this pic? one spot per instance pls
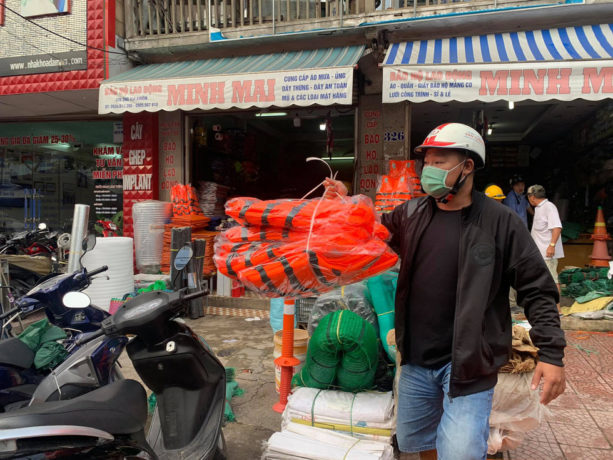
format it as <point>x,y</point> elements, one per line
<point>489,131</point>
<point>511,105</point>
<point>271,114</point>
<point>322,126</point>
<point>297,121</point>
<point>339,158</point>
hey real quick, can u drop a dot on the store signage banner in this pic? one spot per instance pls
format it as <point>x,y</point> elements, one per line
<point>281,89</point>
<point>43,63</point>
<point>565,81</point>
<point>140,165</point>
<point>108,181</point>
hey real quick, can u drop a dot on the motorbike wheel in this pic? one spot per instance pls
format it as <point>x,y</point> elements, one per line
<point>221,453</point>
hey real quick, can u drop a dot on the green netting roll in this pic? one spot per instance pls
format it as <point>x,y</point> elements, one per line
<point>342,353</point>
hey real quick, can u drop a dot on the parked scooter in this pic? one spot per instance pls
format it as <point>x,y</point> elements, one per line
<point>80,373</point>
<point>187,378</point>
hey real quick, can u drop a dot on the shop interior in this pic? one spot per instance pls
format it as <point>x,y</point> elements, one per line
<point>41,180</point>
<point>565,146</point>
<point>264,153</point>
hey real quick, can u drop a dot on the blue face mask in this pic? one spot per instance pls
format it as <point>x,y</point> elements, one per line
<point>434,180</point>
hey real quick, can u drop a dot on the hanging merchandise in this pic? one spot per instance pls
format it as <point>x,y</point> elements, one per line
<point>400,185</point>
<point>342,353</point>
<point>365,415</point>
<point>302,247</point>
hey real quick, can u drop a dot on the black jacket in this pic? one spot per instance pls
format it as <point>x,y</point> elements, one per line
<point>496,252</point>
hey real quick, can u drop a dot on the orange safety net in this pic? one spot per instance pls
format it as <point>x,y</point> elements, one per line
<point>400,185</point>
<point>302,247</point>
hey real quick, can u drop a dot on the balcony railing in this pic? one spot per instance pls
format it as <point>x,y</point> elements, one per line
<point>151,18</point>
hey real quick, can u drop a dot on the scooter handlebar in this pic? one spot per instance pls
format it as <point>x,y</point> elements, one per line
<point>195,295</point>
<point>11,312</point>
<point>97,271</point>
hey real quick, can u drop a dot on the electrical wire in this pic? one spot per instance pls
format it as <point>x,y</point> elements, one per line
<point>59,35</point>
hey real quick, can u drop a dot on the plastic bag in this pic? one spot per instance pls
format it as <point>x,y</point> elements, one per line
<point>302,248</point>
<point>516,410</point>
<point>276,314</point>
<point>352,297</point>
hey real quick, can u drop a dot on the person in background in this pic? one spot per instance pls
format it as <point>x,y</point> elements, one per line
<point>460,252</point>
<point>546,229</point>
<point>516,200</point>
<point>494,192</point>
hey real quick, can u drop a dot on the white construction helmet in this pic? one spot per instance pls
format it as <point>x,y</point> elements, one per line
<point>455,136</point>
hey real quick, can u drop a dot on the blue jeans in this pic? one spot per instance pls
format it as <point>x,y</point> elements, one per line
<point>428,419</point>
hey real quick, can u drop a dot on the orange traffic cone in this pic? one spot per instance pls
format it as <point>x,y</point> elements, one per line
<point>600,254</point>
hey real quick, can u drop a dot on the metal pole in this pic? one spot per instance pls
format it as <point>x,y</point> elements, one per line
<point>78,233</point>
<point>273,16</point>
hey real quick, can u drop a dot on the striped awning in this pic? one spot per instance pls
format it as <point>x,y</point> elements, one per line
<point>562,44</point>
<point>302,78</point>
<point>564,63</point>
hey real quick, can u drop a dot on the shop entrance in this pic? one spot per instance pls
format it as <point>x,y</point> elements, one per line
<point>263,154</point>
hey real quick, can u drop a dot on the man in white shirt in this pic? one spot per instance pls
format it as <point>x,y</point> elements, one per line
<point>546,229</point>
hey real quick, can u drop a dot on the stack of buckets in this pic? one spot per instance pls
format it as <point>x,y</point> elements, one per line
<point>301,341</point>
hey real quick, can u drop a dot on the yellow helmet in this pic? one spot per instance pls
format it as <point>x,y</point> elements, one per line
<point>495,192</point>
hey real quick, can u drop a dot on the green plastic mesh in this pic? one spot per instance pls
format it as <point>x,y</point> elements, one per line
<point>342,353</point>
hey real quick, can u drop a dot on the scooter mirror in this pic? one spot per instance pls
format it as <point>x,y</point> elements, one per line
<point>76,299</point>
<point>42,226</point>
<point>90,242</point>
<point>184,255</point>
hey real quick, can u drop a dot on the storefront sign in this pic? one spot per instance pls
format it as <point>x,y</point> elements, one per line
<point>281,89</point>
<point>566,81</point>
<point>43,63</point>
<point>108,181</point>
<point>171,153</point>
<point>37,140</point>
<point>140,166</point>
<point>370,147</point>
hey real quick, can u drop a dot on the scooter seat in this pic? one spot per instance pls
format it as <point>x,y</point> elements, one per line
<point>117,408</point>
<point>13,352</point>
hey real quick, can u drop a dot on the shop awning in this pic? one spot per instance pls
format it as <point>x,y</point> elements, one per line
<point>302,78</point>
<point>563,64</point>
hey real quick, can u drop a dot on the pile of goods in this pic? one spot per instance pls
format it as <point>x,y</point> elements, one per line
<point>343,353</point>
<point>592,290</point>
<point>302,248</point>
<point>305,442</point>
<point>212,197</point>
<point>186,212</point>
<point>400,185</point>
<point>366,415</point>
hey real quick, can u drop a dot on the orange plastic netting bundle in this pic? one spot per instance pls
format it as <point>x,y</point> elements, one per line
<point>302,247</point>
<point>400,185</point>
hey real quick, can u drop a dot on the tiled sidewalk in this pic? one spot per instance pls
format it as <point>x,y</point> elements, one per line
<point>581,424</point>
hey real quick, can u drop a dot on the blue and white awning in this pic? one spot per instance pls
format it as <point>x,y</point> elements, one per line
<point>562,44</point>
<point>564,63</point>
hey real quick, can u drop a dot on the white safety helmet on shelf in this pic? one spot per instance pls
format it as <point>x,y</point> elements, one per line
<point>455,136</point>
